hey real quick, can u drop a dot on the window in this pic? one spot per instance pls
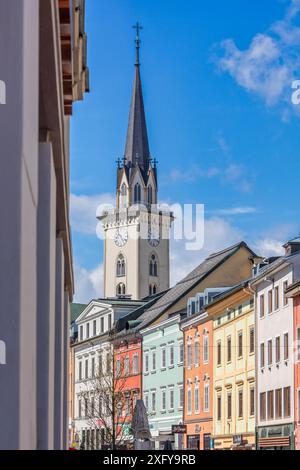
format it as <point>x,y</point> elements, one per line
<point>102,325</point>
<point>109,321</point>
<point>262,355</point>
<point>240,310</point>
<point>121,289</point>
<point>152,289</point>
<point>94,328</point>
<point>86,407</point>
<point>80,370</point>
<point>121,266</point>
<point>206,397</point>
<point>219,407</point>
<point>118,367</point>
<point>135,364</point>
<point>171,362</point>
<point>285,299</point>
<point>92,406</point>
<point>287,402</point>
<point>150,195</point>
<point>93,367</point>
<point>147,363</point>
<point>137,194</point>
<point>262,306</point>
<point>270,301</point>
<point>181,353</point>
<point>126,366</point>
<point>277,352</point>
<point>278,403</point>
<point>108,363</point>
<point>79,408</point>
<point>86,368</point>
<point>270,352</point>
<point>87,331</point>
<point>271,404</point>
<point>189,355</point>
<point>197,399</point>
<point>240,344</point>
<point>127,405</point>
<point>205,349</point>
<point>276,298</point>
<point>241,404</point>
<point>229,406</point>
<point>171,391</point>
<point>189,401</point>
<point>153,361</point>
<point>146,398</point>
<point>123,195</point>
<point>219,353</point>
<point>252,401</point>
<point>252,340</point>
<point>153,270</point>
<point>100,370</point>
<point>153,402</point>
<point>81,333</point>
<point>196,353</point>
<point>163,400</point>
<point>286,346</point>
<point>181,397</point>
<point>251,304</point>
<point>229,349</point>
<point>263,406</point>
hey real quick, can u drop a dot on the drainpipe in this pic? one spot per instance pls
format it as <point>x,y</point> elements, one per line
<point>253,292</point>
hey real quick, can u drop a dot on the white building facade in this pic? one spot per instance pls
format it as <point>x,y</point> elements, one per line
<point>275,353</point>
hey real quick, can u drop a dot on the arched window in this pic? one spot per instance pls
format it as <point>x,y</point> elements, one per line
<point>152,289</point>
<point>121,289</point>
<point>137,193</point>
<point>123,196</point>
<point>121,266</point>
<point>153,270</point>
<point>150,195</point>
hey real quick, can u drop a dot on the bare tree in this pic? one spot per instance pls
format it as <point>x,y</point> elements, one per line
<point>106,407</point>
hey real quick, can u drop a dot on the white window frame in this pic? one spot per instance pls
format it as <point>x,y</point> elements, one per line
<point>180,390</point>
<point>135,364</point>
<point>171,394</point>
<point>206,398</point>
<point>163,407</point>
<point>146,364</point>
<point>153,362</point>
<point>205,349</point>
<point>189,401</point>
<point>163,357</point>
<point>197,399</point>
<point>153,394</point>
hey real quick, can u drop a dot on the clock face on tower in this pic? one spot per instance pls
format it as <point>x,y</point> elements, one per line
<point>153,238</point>
<point>121,237</point>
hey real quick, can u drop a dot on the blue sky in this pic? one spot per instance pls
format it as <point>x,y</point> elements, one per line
<point>217,85</point>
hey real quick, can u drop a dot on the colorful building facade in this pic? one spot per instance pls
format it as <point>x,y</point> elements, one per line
<point>198,376</point>
<point>163,395</point>
<point>275,345</point>
<point>233,369</point>
<point>294,293</point>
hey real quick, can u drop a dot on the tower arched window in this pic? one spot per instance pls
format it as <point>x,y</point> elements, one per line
<point>150,195</point>
<point>152,289</point>
<point>121,266</point>
<point>123,195</point>
<point>121,289</point>
<point>137,193</point>
<point>153,266</point>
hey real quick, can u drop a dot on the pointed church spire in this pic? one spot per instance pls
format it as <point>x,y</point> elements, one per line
<point>137,145</point>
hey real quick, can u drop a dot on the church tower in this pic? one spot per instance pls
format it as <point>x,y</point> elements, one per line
<point>136,245</point>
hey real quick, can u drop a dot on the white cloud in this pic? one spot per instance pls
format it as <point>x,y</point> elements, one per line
<point>88,284</point>
<point>192,174</point>
<point>84,211</point>
<point>236,211</point>
<point>269,247</point>
<point>268,66</point>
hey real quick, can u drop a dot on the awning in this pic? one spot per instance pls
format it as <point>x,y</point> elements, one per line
<point>274,442</point>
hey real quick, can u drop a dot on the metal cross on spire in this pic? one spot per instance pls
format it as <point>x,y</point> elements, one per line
<point>138,27</point>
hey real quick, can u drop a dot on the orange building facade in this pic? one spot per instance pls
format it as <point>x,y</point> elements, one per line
<point>198,382</point>
<point>128,367</point>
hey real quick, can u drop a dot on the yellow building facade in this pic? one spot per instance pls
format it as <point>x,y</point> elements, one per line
<point>234,369</point>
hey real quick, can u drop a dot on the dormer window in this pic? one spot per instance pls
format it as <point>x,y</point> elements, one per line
<point>191,307</point>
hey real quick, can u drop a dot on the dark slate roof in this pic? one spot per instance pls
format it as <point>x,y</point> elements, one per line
<point>137,137</point>
<point>188,283</point>
<point>76,311</point>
